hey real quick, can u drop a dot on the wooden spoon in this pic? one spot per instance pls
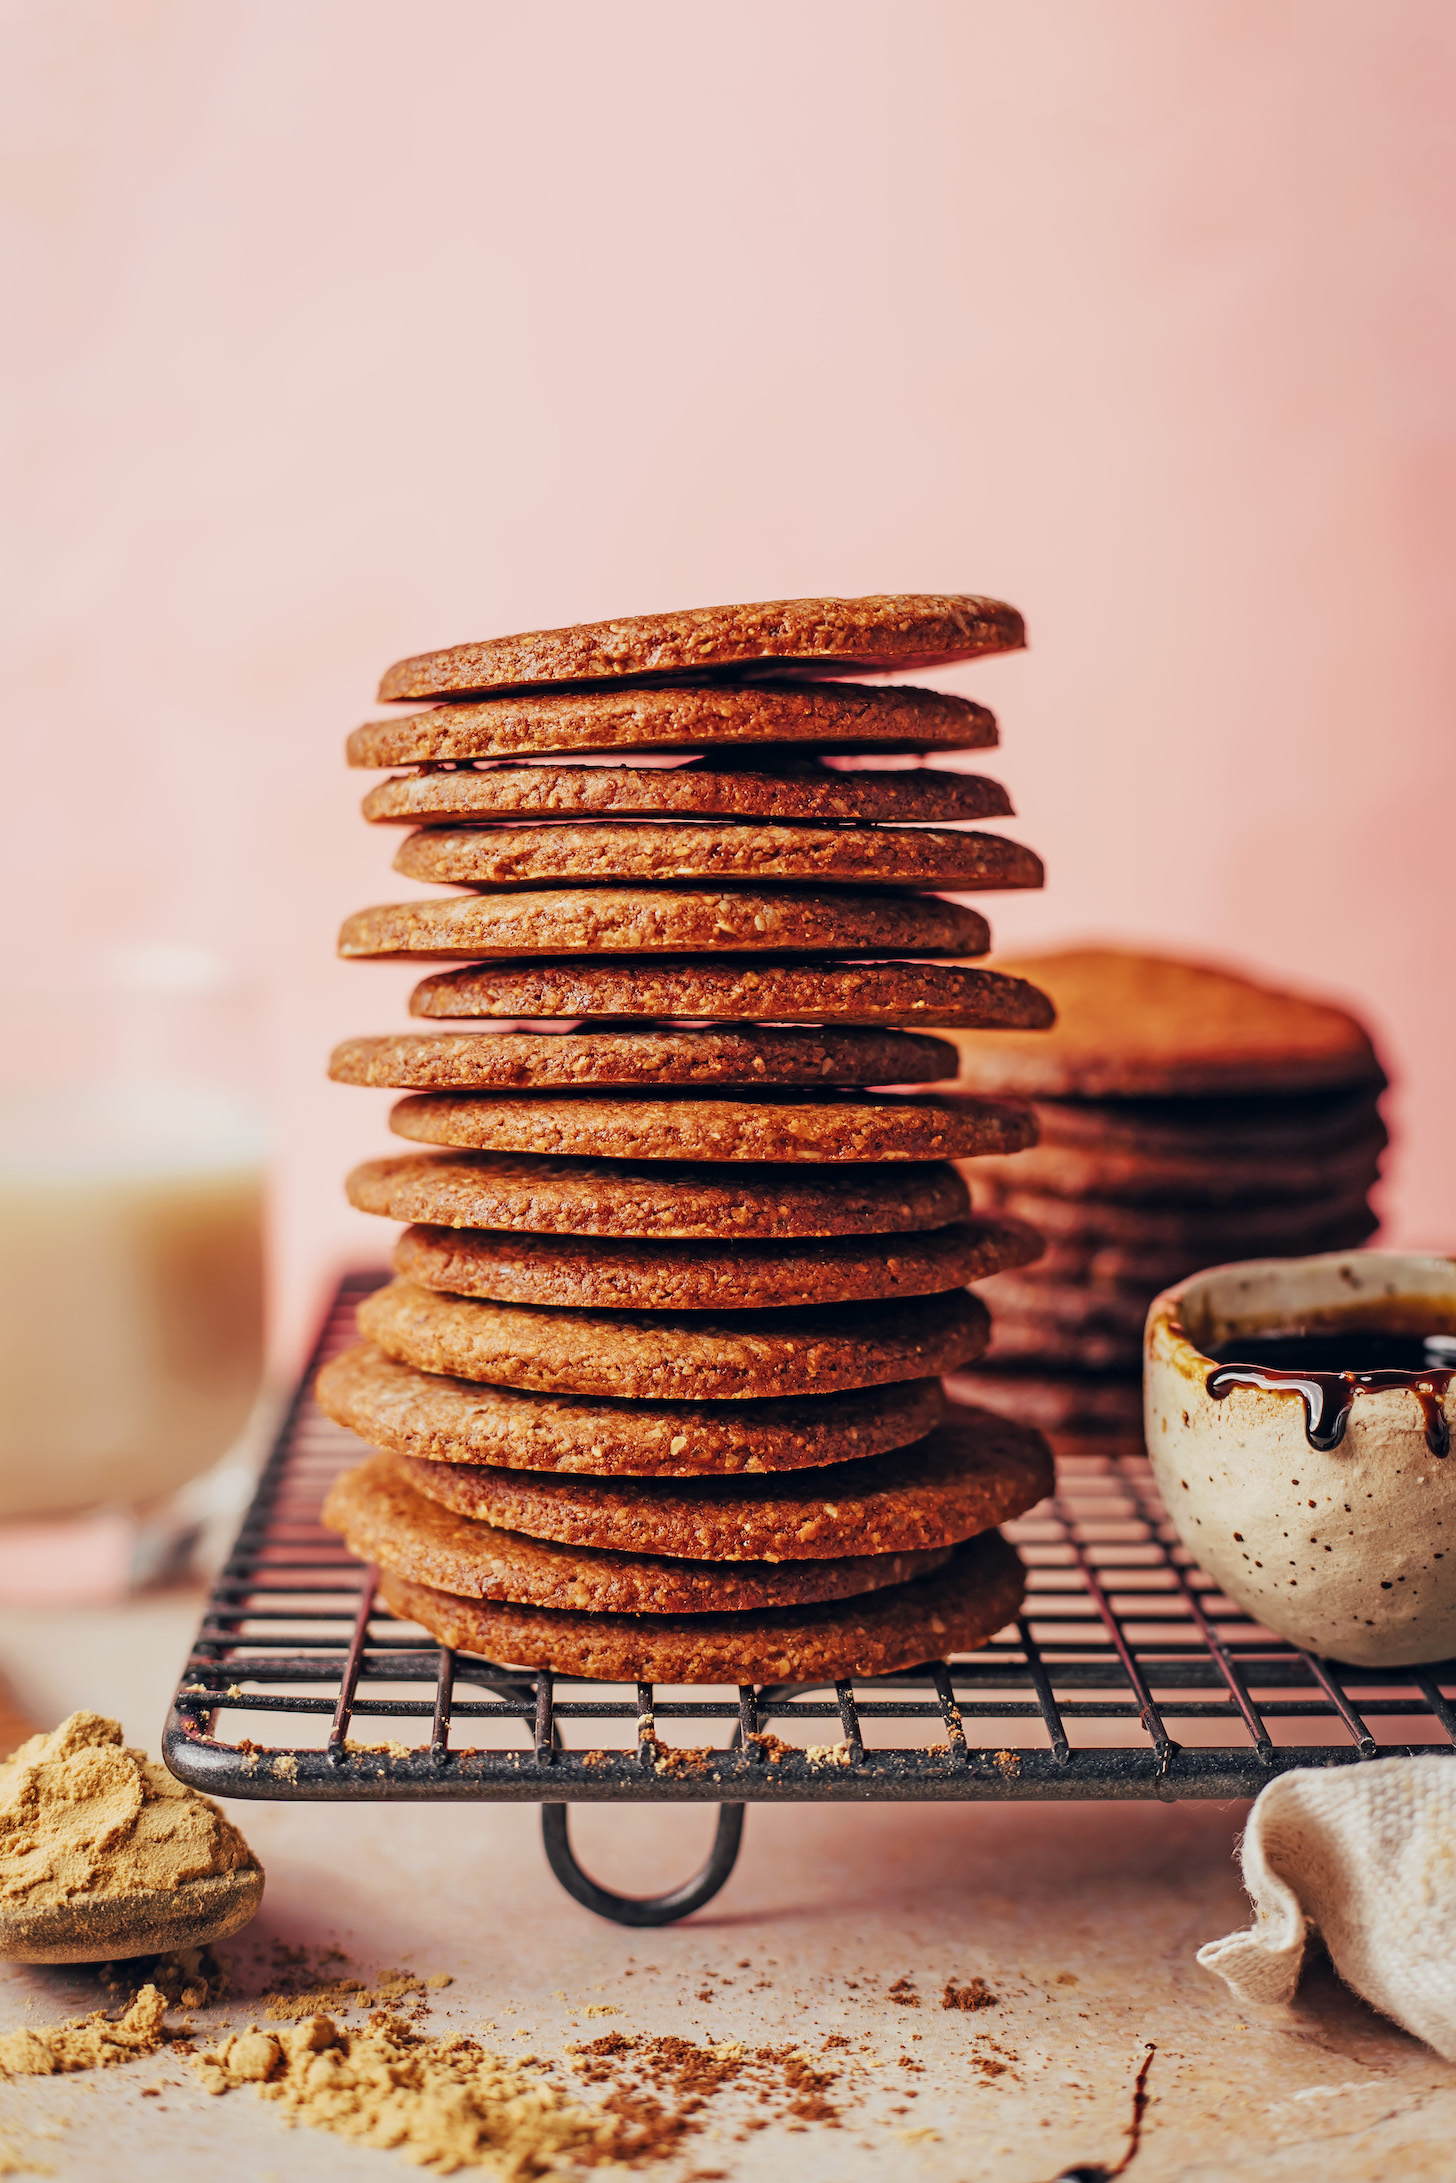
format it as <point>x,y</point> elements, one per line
<point>152,1921</point>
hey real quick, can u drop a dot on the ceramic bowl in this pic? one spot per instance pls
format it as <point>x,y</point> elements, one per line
<point>1349,1552</point>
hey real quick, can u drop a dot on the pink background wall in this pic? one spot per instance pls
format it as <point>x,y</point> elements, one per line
<point>351,329</point>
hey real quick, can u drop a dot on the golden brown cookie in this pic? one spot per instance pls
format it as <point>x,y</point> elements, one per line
<point>589,1273</point>
<point>1279,1227</point>
<point>953,1610</point>
<point>974,1471</point>
<point>640,920</point>
<point>1066,1404</point>
<point>1143,1271</point>
<point>760,788</point>
<point>1213,1128</point>
<point>768,718</point>
<point>1152,1026</point>
<point>697,1125</point>
<point>661,1357</point>
<point>658,1198</point>
<point>1050,1345</point>
<point>565,1060</point>
<point>384,1519</point>
<point>1026,1294</point>
<point>445,1420</point>
<point>708,853</point>
<point>885,633</point>
<point>1192,1178</point>
<point>837,994</point>
<point>1108,1266</point>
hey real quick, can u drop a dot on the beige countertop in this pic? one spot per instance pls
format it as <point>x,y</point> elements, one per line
<point>1082,1919</point>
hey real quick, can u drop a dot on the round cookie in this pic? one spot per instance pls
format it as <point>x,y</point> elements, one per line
<point>841,994</point>
<point>638,920</point>
<point>695,1125</point>
<point>660,1357</point>
<point>383,1519</point>
<point>1025,1337</point>
<point>786,789</point>
<point>708,854</point>
<point>1083,1171</point>
<point>884,633</point>
<point>1282,1226</point>
<point>770,719</point>
<point>976,1470</point>
<point>1150,1026</point>
<point>567,1060</point>
<point>1024,1295</point>
<point>656,1198</point>
<point>1061,1404</point>
<point>1225,1129</point>
<point>1144,1271</point>
<point>953,1610</point>
<point>585,1273</point>
<point>443,1420</point>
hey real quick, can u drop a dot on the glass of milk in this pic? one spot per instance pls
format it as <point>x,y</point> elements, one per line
<point>131,1258</point>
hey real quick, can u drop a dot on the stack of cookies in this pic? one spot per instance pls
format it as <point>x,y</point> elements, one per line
<point>1187,1117</point>
<point>656,1391</point>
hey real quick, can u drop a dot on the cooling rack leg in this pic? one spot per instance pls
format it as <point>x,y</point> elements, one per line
<point>642,1909</point>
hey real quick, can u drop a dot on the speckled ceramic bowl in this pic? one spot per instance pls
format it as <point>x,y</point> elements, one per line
<point>1351,1551</point>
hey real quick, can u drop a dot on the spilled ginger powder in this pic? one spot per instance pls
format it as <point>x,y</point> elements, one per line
<point>96,2041</point>
<point>444,2103</point>
<point>82,1815</point>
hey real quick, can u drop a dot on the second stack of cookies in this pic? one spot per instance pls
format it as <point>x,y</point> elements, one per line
<point>657,1383</point>
<point>1187,1117</point>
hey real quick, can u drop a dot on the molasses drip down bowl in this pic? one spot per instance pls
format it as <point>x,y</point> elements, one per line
<point>1347,1547</point>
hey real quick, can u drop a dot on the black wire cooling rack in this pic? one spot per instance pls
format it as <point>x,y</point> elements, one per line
<point>1128,1675</point>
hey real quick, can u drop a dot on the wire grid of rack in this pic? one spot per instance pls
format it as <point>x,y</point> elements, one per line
<point>1128,1674</point>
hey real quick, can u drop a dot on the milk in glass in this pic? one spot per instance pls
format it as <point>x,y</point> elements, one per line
<point>131,1254</point>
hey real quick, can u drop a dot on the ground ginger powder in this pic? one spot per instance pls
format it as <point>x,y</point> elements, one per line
<point>97,2041</point>
<point>442,2103</point>
<point>80,1814</point>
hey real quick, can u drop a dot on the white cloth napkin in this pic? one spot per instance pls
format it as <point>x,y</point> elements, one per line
<point>1366,1856</point>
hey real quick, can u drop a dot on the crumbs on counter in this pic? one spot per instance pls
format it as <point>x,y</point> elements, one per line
<point>974,1994</point>
<point>991,2060</point>
<point>660,2085</point>
<point>903,1992</point>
